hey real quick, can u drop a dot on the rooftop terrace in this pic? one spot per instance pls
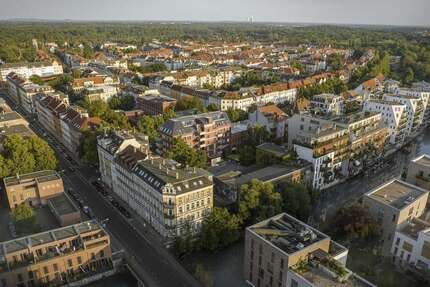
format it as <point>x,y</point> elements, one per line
<point>39,176</point>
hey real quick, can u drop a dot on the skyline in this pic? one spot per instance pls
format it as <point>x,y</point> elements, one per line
<point>395,12</point>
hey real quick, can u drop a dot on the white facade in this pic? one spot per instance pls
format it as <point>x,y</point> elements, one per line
<point>328,104</point>
<point>30,69</point>
<point>394,117</point>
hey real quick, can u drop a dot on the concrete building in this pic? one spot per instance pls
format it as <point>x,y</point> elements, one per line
<point>419,172</point>
<point>283,251</point>
<point>114,142</point>
<point>32,189</point>
<point>209,132</point>
<point>55,257</point>
<point>394,116</point>
<point>26,70</point>
<point>12,118</point>
<point>102,93</point>
<point>327,104</point>
<point>272,118</point>
<point>393,205</point>
<point>155,104</point>
<point>78,85</point>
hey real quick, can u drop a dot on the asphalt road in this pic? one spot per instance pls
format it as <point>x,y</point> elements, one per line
<point>155,266</point>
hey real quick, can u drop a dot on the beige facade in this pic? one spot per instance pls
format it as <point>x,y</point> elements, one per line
<point>56,256</point>
<point>393,205</point>
<point>274,246</point>
<point>33,188</point>
<point>419,171</point>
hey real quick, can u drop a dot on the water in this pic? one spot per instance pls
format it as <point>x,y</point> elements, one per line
<point>124,279</point>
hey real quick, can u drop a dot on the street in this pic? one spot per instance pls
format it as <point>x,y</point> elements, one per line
<point>155,266</point>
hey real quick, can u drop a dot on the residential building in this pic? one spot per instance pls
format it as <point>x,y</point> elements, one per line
<point>327,104</point>
<point>23,92</point>
<point>155,104</point>
<point>26,70</point>
<point>55,257</point>
<point>393,205</point>
<point>419,171</point>
<point>272,118</point>
<point>32,189</point>
<point>209,132</point>
<point>394,116</point>
<point>415,110</point>
<point>80,84</point>
<point>12,118</point>
<point>277,247</point>
<point>112,143</point>
<point>102,93</point>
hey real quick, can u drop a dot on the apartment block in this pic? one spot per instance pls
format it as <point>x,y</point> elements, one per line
<point>102,93</point>
<point>155,104</point>
<point>415,110</point>
<point>272,118</point>
<point>23,92</point>
<point>55,257</point>
<point>209,132</point>
<point>114,142</point>
<point>393,205</point>
<point>394,116</point>
<point>327,104</point>
<point>32,189</point>
<point>78,85</point>
<point>283,251</point>
<point>419,171</point>
<point>26,70</point>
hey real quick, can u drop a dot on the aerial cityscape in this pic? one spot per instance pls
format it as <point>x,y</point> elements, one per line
<point>214,143</point>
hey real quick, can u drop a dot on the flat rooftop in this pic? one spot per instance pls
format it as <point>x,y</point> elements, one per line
<point>397,193</point>
<point>414,227</point>
<point>275,149</point>
<point>423,160</point>
<point>39,176</point>
<point>287,233</point>
<point>48,236</point>
<point>62,204</point>
<point>356,117</point>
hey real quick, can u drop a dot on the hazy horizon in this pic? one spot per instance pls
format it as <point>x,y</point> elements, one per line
<point>365,12</point>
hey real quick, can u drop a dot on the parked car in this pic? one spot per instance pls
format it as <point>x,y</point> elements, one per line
<point>115,203</point>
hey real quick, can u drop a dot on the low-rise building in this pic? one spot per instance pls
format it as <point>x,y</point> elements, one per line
<point>155,104</point>
<point>283,251</point>
<point>32,189</point>
<point>56,257</point>
<point>419,171</point>
<point>393,205</point>
<point>209,132</point>
<point>102,93</point>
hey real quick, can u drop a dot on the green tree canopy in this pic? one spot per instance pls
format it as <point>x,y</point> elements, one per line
<point>296,200</point>
<point>187,103</point>
<point>184,154</point>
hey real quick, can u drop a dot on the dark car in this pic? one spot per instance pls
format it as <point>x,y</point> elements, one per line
<point>127,214</point>
<point>121,209</point>
<point>115,203</point>
<point>104,193</point>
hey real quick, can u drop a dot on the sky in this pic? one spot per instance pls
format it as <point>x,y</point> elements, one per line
<point>385,12</point>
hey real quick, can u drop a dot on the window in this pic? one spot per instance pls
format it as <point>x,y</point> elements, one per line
<point>30,274</point>
<point>282,263</point>
<point>70,262</point>
<point>398,241</point>
<point>79,260</point>
<point>294,283</point>
<point>394,218</point>
<point>102,253</point>
<point>3,283</point>
<point>55,267</point>
<point>272,257</point>
<point>45,270</point>
<point>19,276</point>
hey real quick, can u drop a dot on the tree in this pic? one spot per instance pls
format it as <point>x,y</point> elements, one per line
<point>409,76</point>
<point>76,73</point>
<point>149,125</point>
<point>212,108</point>
<point>125,102</point>
<point>89,146</point>
<point>22,212</point>
<point>219,230</point>
<point>246,155</point>
<point>236,115</point>
<point>187,103</point>
<point>24,219</point>
<point>88,51</point>
<point>257,201</point>
<point>296,200</point>
<point>37,80</point>
<point>355,222</point>
<point>184,154</point>
<point>43,154</point>
<point>335,61</point>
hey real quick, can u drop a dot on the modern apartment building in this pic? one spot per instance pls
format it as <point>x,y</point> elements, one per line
<point>394,116</point>
<point>415,110</point>
<point>55,257</point>
<point>327,104</point>
<point>23,92</point>
<point>32,189</point>
<point>209,132</point>
<point>283,251</point>
<point>272,118</point>
<point>393,205</point>
<point>419,171</point>
<point>26,70</point>
<point>102,93</point>
<point>114,142</point>
<point>155,104</point>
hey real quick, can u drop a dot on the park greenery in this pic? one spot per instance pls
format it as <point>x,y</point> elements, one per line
<point>23,155</point>
<point>149,125</point>
<point>236,115</point>
<point>189,103</point>
<point>333,86</point>
<point>250,78</point>
<point>123,102</point>
<point>152,68</point>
